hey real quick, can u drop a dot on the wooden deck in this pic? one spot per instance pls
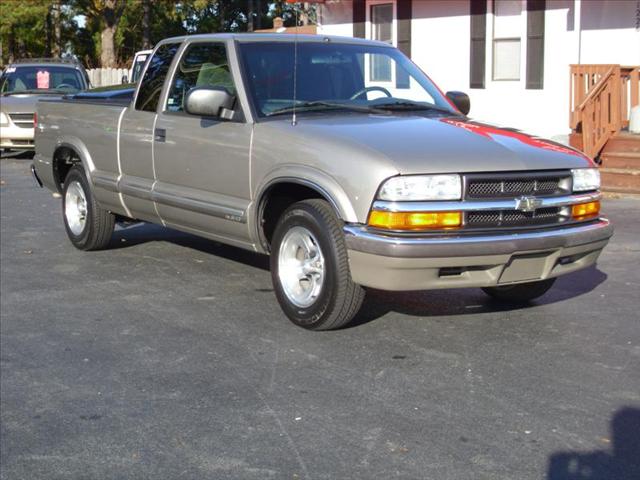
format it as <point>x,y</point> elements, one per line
<point>602,97</point>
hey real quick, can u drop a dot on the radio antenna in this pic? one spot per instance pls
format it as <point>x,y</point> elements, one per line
<point>294,120</point>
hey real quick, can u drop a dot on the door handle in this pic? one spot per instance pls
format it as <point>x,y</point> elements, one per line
<point>160,135</point>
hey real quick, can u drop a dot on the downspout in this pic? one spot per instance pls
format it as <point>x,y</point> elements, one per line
<point>578,26</point>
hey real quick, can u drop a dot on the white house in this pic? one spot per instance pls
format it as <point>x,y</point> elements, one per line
<point>512,57</point>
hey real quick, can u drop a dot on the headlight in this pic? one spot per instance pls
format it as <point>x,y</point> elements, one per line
<point>585,179</point>
<point>4,120</point>
<point>422,187</point>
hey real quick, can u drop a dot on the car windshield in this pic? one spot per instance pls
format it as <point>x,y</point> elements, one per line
<point>41,79</point>
<point>331,75</point>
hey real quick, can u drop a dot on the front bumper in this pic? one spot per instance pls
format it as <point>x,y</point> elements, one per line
<point>457,261</point>
<point>16,138</point>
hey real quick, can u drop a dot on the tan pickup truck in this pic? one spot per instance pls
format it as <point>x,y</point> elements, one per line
<point>337,157</point>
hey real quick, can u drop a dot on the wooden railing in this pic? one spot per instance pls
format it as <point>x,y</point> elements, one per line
<point>601,100</point>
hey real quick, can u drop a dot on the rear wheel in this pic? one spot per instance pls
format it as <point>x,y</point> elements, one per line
<point>88,226</point>
<point>310,268</point>
<point>520,292</point>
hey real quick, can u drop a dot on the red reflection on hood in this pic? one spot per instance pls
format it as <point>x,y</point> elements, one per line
<point>489,131</point>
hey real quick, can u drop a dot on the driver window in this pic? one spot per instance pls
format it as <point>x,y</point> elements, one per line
<point>202,65</point>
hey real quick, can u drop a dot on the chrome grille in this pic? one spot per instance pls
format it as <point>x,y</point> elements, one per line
<point>23,120</point>
<point>513,187</point>
<point>501,186</point>
<point>514,218</point>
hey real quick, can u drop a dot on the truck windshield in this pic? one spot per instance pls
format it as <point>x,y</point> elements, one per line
<point>331,75</point>
<point>41,79</point>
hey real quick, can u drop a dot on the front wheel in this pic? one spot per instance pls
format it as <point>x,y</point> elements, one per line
<point>310,268</point>
<point>520,292</point>
<point>88,226</point>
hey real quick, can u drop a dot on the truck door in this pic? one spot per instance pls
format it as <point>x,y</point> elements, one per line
<point>136,137</point>
<point>202,164</point>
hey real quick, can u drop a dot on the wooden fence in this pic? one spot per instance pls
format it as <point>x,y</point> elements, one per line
<point>104,77</point>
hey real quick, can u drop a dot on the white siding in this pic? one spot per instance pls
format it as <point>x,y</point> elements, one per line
<point>587,31</point>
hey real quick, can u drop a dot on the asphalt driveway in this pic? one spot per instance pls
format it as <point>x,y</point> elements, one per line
<point>167,357</point>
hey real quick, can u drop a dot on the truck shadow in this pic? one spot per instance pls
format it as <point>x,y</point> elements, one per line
<point>16,154</point>
<point>140,233</point>
<point>377,302</point>
<point>467,301</point>
<point>621,462</point>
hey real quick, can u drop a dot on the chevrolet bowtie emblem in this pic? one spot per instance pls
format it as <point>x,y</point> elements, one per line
<point>528,204</point>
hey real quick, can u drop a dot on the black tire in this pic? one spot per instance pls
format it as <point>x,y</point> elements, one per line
<point>520,292</point>
<point>98,226</point>
<point>339,298</point>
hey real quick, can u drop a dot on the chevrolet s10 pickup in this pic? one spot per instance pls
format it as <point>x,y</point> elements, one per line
<point>338,157</point>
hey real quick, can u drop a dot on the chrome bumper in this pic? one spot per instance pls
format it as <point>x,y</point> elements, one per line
<point>363,240</point>
<point>473,260</point>
<point>16,138</point>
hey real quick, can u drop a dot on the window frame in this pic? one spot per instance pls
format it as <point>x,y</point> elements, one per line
<point>238,116</point>
<point>478,18</point>
<point>521,40</point>
<point>369,4</point>
<point>180,43</point>
<point>174,73</point>
<point>494,43</point>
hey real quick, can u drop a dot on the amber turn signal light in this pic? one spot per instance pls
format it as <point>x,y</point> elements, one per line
<point>585,210</point>
<point>414,220</point>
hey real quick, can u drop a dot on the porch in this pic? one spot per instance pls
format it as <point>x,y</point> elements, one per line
<point>601,98</point>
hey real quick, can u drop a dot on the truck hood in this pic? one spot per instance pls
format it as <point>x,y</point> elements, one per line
<point>22,103</point>
<point>420,144</point>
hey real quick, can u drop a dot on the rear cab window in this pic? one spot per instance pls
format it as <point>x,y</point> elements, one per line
<point>42,79</point>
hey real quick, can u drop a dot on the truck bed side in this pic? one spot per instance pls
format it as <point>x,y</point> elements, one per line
<point>86,128</point>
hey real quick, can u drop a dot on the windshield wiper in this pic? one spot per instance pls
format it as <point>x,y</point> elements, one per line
<point>322,105</point>
<point>409,105</point>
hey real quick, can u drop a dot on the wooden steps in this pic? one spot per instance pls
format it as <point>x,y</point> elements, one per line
<point>620,168</point>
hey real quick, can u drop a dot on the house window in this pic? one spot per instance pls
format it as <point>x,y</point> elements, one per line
<point>381,30</point>
<point>507,27</point>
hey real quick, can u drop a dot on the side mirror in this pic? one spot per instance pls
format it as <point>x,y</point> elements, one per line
<point>124,79</point>
<point>461,101</point>
<point>208,101</point>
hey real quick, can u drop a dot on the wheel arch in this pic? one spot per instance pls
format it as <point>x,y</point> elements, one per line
<point>66,154</point>
<point>277,194</point>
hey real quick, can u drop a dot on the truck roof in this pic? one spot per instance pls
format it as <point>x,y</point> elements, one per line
<point>274,37</point>
<point>29,62</point>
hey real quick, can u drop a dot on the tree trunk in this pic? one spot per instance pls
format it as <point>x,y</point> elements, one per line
<point>111,12</point>
<point>11,41</point>
<point>108,54</point>
<point>259,16</point>
<point>22,49</point>
<point>250,16</point>
<point>146,24</point>
<point>222,16</point>
<point>48,34</point>
<point>304,14</point>
<point>56,49</point>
